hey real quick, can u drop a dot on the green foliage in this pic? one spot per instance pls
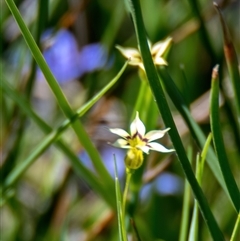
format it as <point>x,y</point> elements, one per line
<point>58,102</point>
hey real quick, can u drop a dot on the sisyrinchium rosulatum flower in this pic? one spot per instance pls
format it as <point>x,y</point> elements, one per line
<point>139,142</point>
<point>157,51</point>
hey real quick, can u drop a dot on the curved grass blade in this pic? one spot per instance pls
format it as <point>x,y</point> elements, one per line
<point>194,128</point>
<point>11,158</point>
<point>60,97</point>
<point>219,144</point>
<point>168,120</point>
<point>54,135</point>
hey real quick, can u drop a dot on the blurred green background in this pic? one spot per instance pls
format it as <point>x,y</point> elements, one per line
<point>78,38</point>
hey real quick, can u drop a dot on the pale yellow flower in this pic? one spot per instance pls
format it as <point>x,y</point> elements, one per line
<point>157,51</point>
<point>138,142</point>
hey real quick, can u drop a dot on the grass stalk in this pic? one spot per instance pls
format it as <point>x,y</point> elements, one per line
<point>168,119</point>
<point>219,144</point>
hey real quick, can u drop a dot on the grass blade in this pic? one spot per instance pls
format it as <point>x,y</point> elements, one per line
<point>194,128</point>
<point>186,205</point>
<point>54,135</point>
<point>121,224</point>
<point>219,144</point>
<point>168,120</point>
<point>60,97</point>
<point>232,62</point>
<point>193,233</point>
<point>236,231</point>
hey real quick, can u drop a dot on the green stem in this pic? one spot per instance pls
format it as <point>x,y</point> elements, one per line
<point>60,97</point>
<point>121,221</point>
<point>203,31</point>
<point>168,119</point>
<point>194,128</point>
<point>236,231</point>
<point>232,62</point>
<point>54,134</point>
<point>186,206</point>
<point>129,173</point>
<point>219,144</point>
<point>128,178</point>
<point>140,98</point>
<point>193,233</point>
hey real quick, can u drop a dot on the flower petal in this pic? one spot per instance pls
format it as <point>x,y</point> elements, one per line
<point>160,61</point>
<point>129,53</point>
<point>154,135</point>
<point>137,126</point>
<point>121,143</point>
<point>158,147</point>
<point>119,132</point>
<point>145,149</point>
<point>160,47</point>
<point>141,66</point>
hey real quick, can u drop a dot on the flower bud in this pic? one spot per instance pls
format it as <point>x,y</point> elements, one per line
<point>134,158</point>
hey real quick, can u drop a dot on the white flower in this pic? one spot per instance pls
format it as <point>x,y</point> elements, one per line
<point>138,139</point>
<point>157,51</point>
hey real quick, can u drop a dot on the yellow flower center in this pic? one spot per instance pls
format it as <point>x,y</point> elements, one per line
<point>136,141</point>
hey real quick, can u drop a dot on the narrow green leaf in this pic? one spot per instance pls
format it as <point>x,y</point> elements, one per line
<point>168,120</point>
<point>203,157</point>
<point>232,62</point>
<point>193,233</point>
<point>186,205</point>
<point>121,224</point>
<point>194,128</point>
<point>60,97</point>
<point>219,144</point>
<point>195,7</point>
<point>236,231</point>
<point>54,135</point>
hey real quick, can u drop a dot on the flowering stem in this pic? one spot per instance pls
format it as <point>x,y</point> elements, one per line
<point>129,173</point>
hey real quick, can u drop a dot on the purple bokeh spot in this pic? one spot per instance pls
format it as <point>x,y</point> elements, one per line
<point>62,57</point>
<point>66,61</point>
<point>93,57</point>
<point>108,159</point>
<point>168,184</point>
<point>165,184</point>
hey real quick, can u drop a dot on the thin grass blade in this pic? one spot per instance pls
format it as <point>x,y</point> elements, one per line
<point>194,128</point>
<point>54,135</point>
<point>186,205</point>
<point>121,224</point>
<point>168,120</point>
<point>60,97</point>
<point>232,62</point>
<point>219,144</point>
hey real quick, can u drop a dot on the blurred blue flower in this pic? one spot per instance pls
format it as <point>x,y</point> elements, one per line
<point>107,153</point>
<point>66,61</point>
<point>168,184</point>
<point>165,184</point>
<point>93,57</point>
